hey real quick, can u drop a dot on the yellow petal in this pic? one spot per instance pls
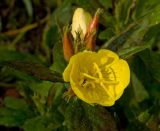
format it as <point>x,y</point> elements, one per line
<point>82,61</point>
<point>107,56</point>
<point>122,73</point>
<point>67,71</point>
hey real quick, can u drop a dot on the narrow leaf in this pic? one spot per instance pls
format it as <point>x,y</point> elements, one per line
<point>39,71</point>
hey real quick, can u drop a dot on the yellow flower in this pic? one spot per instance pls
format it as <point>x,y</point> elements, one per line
<point>97,78</point>
<point>80,22</point>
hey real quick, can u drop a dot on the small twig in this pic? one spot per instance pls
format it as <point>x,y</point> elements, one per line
<point>25,28</point>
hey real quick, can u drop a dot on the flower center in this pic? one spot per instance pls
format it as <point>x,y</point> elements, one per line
<point>100,76</point>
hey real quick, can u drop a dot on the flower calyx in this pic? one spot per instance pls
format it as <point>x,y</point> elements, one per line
<point>68,49</point>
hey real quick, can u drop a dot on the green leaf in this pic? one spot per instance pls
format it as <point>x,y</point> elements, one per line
<point>40,94</point>
<point>138,67</point>
<point>51,36</point>
<point>59,63</point>
<point>152,32</point>
<point>139,90</point>
<point>42,88</point>
<point>117,41</point>
<point>153,17</point>
<point>133,34</point>
<point>39,123</point>
<point>15,103</point>
<point>100,118</point>
<point>85,4</point>
<point>10,55</point>
<point>15,113</point>
<point>127,52</point>
<point>144,7</point>
<point>47,93</point>
<point>75,118</point>
<point>80,116</point>
<point>28,5</point>
<point>48,122</point>
<point>106,3</point>
<point>106,34</point>
<point>136,42</point>
<point>10,117</point>
<point>137,36</point>
<point>152,62</point>
<point>122,11</point>
<point>56,94</point>
<point>38,71</point>
<point>58,14</point>
<point>148,12</point>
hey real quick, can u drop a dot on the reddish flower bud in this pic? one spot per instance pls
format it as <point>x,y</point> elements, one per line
<point>94,23</point>
<point>68,50</point>
<point>91,32</point>
<point>90,43</point>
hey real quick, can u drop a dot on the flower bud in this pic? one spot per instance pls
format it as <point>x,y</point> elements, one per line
<point>91,31</point>
<point>90,43</point>
<point>80,22</point>
<point>94,23</point>
<point>68,50</point>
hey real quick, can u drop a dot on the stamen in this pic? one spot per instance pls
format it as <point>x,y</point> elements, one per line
<point>89,84</point>
<point>108,92</point>
<point>110,82</point>
<point>98,70</point>
<point>89,76</point>
<point>113,73</point>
